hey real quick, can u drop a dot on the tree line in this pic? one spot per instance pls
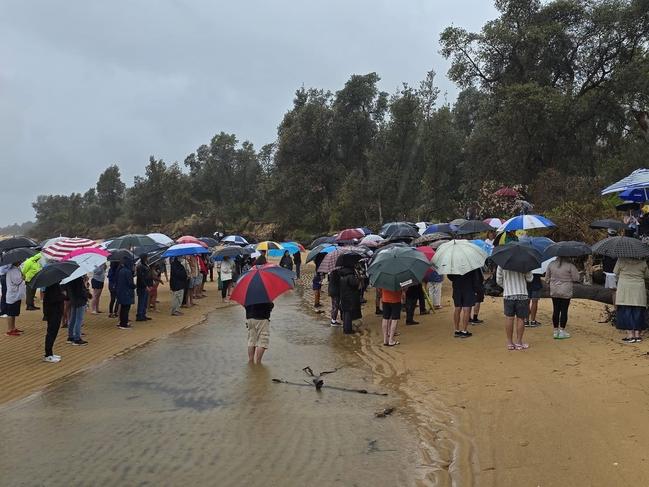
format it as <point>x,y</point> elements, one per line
<point>554,98</point>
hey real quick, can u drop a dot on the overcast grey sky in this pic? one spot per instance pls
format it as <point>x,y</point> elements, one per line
<point>88,83</point>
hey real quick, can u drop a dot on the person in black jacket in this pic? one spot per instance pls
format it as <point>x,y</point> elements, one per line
<point>333,289</point>
<point>286,262</point>
<point>143,284</point>
<point>258,324</point>
<point>177,281</point>
<point>53,299</point>
<point>350,298</point>
<point>78,296</point>
<point>412,295</point>
<point>297,260</point>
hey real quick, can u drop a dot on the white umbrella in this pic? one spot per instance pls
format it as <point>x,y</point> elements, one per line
<point>88,262</point>
<point>544,266</point>
<point>458,257</point>
<point>161,238</point>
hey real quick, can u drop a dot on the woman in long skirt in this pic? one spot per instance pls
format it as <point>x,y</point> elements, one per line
<point>631,297</point>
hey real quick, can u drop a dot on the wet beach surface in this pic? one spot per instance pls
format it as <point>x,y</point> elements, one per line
<point>188,409</point>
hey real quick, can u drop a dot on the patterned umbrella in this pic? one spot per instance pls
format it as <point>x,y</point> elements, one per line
<point>638,179</point>
<point>371,240</point>
<point>235,239</point>
<point>431,237</point>
<point>328,264</point>
<point>269,245</point>
<point>320,249</point>
<point>189,239</point>
<point>59,249</point>
<point>185,249</point>
<point>262,284</point>
<point>525,222</point>
<point>625,247</point>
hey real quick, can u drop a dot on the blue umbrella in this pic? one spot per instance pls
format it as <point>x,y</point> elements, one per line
<point>539,243</point>
<point>525,222</point>
<point>488,248</point>
<point>290,246</point>
<point>635,195</point>
<point>638,179</point>
<point>440,228</point>
<point>185,249</point>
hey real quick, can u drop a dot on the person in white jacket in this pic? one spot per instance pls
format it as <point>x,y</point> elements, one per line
<point>516,303</point>
<point>15,295</point>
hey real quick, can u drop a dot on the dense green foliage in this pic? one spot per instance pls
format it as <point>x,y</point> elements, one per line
<point>551,93</point>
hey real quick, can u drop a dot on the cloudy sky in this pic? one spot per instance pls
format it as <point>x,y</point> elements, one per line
<point>88,83</point>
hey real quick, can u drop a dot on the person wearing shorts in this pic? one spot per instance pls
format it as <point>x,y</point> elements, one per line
<point>391,302</point>
<point>258,324</point>
<point>516,304</point>
<point>464,294</point>
<point>479,298</point>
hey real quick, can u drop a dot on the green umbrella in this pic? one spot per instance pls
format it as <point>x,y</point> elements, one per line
<point>398,267</point>
<point>458,257</point>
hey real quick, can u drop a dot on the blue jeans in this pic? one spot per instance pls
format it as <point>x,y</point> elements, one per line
<point>142,302</point>
<point>74,322</point>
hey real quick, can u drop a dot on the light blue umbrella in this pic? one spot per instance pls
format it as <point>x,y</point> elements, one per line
<point>290,246</point>
<point>185,249</point>
<point>487,247</point>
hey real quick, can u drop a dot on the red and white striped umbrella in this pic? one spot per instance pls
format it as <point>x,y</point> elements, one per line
<point>59,249</point>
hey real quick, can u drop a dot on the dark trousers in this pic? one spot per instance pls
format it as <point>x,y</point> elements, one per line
<point>3,301</point>
<point>142,301</point>
<point>30,293</point>
<point>186,293</point>
<point>411,304</point>
<point>211,274</point>
<point>297,269</point>
<point>123,314</point>
<point>560,312</point>
<point>112,306</point>
<point>347,321</point>
<point>224,288</point>
<point>53,325</point>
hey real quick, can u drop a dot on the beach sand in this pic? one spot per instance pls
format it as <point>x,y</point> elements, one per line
<point>24,372</point>
<point>563,412</point>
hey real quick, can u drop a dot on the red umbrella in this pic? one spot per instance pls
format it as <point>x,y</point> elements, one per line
<point>186,239</point>
<point>62,247</point>
<point>262,284</point>
<point>507,192</point>
<point>350,234</point>
<point>427,251</point>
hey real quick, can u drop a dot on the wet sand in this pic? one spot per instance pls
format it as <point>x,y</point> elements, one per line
<point>562,413</point>
<point>188,409</point>
<point>24,372</point>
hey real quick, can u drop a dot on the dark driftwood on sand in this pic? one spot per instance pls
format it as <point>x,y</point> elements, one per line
<point>581,291</point>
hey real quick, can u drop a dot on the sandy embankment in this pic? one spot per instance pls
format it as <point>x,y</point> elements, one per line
<point>563,413</point>
<point>23,371</point>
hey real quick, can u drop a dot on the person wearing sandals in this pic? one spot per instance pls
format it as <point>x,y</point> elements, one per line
<point>631,297</point>
<point>561,274</point>
<point>391,301</point>
<point>516,304</point>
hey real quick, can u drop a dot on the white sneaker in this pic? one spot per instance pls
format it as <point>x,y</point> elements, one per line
<point>335,323</point>
<point>51,359</point>
<point>4,316</point>
<point>56,356</point>
<point>555,333</point>
<point>563,334</point>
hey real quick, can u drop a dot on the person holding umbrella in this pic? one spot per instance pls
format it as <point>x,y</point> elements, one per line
<point>561,274</point>
<point>143,285</point>
<point>29,269</point>
<point>350,291</point>
<point>78,295</point>
<point>16,292</point>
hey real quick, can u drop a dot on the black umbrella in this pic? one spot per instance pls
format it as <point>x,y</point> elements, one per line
<point>322,240</point>
<point>130,241</point>
<point>395,230</point>
<point>17,255</point>
<point>211,242</point>
<point>348,260</point>
<point>517,256</point>
<point>53,273</point>
<point>567,249</point>
<point>149,249</point>
<point>473,226</point>
<point>16,243</point>
<point>118,255</point>
<point>627,206</point>
<point>609,223</point>
<point>625,247</point>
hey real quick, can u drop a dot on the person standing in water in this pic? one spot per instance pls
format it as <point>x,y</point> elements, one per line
<point>258,324</point>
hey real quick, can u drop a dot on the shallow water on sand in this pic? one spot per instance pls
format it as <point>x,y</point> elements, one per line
<point>188,409</point>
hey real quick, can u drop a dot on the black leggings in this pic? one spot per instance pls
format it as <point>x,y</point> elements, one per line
<point>560,312</point>
<point>112,306</point>
<point>224,288</point>
<point>123,314</point>
<point>53,324</point>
